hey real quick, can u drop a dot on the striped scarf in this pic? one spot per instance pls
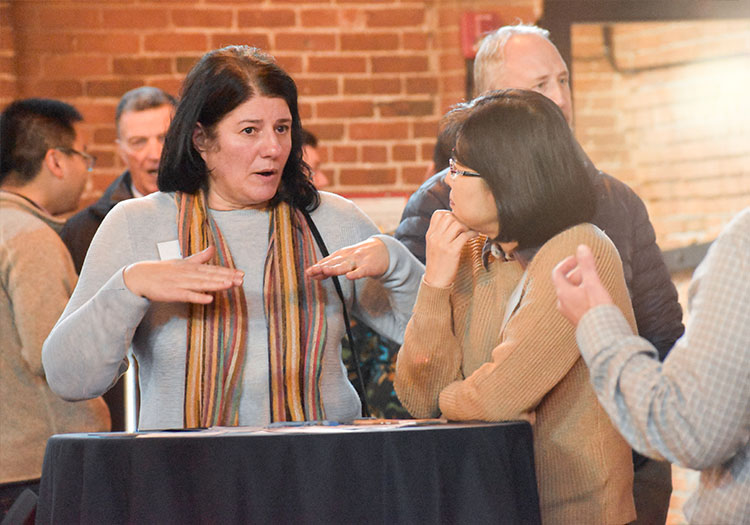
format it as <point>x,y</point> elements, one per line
<point>216,332</point>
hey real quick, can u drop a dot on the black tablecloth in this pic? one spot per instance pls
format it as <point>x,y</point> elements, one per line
<point>427,474</point>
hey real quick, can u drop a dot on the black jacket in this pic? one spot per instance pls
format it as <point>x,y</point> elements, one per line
<point>622,215</point>
<point>79,230</point>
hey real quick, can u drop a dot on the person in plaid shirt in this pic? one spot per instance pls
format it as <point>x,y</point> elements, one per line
<point>694,409</point>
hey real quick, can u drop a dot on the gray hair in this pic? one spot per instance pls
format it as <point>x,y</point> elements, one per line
<point>491,54</point>
<point>141,99</point>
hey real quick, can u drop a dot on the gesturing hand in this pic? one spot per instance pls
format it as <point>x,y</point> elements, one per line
<point>578,286</point>
<point>368,258</point>
<point>181,280</point>
<point>445,238</point>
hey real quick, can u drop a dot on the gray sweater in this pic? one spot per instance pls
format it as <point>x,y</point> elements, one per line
<point>84,354</point>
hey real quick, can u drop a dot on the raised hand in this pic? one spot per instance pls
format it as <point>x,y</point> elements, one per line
<point>368,258</point>
<point>578,286</point>
<point>445,238</point>
<point>181,280</point>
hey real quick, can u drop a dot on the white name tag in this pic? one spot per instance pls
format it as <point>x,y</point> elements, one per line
<point>169,250</point>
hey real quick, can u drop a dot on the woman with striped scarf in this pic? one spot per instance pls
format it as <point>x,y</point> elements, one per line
<point>206,278</point>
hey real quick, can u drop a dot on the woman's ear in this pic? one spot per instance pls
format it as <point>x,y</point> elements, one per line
<point>200,139</point>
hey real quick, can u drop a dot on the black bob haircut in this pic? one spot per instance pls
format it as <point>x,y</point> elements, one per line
<point>521,145</point>
<point>220,81</point>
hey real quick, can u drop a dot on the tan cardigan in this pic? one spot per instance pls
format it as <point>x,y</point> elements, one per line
<point>456,361</point>
<point>36,280</point>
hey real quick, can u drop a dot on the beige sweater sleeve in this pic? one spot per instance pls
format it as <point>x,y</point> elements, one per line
<point>430,358</point>
<point>537,347</point>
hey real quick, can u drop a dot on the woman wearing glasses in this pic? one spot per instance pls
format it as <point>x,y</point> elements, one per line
<point>485,341</point>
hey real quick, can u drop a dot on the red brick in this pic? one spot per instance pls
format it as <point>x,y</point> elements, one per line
<point>344,154</point>
<point>292,64</point>
<point>378,131</point>
<point>414,174</point>
<point>48,43</point>
<point>265,18</point>
<point>135,18</point>
<point>170,85</point>
<point>305,41</point>
<point>8,90</point>
<point>296,1</point>
<point>319,18</point>
<point>420,85</point>
<point>345,109</point>
<point>452,62</point>
<point>185,63</point>
<point>110,88</point>
<point>366,177</point>
<point>426,129</point>
<point>395,17</point>
<point>97,113</point>
<point>316,86</point>
<point>57,88</point>
<point>105,135</point>
<point>427,151</point>
<point>374,154</point>
<point>399,64</point>
<point>113,43</point>
<point>67,17</point>
<point>406,108</point>
<point>416,41</point>
<point>259,40</point>
<point>6,39</point>
<point>369,41</point>
<point>305,110</point>
<point>176,42</point>
<point>404,152</point>
<point>372,86</point>
<point>31,65</point>
<point>6,65</point>
<point>338,64</point>
<point>75,66</point>
<point>104,158</point>
<point>202,17</point>
<point>142,66</point>
<point>326,132</point>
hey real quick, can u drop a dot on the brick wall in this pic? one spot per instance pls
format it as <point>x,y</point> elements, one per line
<point>374,76</point>
<point>7,56</point>
<point>671,119</point>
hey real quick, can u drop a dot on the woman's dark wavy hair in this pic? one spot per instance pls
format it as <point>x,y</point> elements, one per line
<point>521,145</point>
<point>220,81</point>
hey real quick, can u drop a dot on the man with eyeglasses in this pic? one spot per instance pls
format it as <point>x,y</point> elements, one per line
<point>142,119</point>
<point>44,168</point>
<point>523,57</point>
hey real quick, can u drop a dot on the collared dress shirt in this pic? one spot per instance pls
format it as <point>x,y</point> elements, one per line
<point>694,409</point>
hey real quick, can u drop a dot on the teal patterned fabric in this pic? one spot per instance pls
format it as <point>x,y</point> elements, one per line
<point>377,356</point>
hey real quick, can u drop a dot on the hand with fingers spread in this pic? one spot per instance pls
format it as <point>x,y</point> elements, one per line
<point>578,286</point>
<point>368,258</point>
<point>445,239</point>
<point>181,280</point>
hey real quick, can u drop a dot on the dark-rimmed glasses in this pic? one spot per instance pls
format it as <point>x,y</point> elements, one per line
<point>455,172</point>
<point>90,159</point>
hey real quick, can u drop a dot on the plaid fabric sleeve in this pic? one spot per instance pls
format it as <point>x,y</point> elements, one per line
<point>694,410</point>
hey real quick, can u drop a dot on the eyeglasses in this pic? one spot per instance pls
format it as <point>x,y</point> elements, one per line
<point>455,172</point>
<point>90,159</point>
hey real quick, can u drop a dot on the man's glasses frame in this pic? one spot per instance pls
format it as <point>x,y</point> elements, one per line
<point>90,159</point>
<point>455,172</point>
